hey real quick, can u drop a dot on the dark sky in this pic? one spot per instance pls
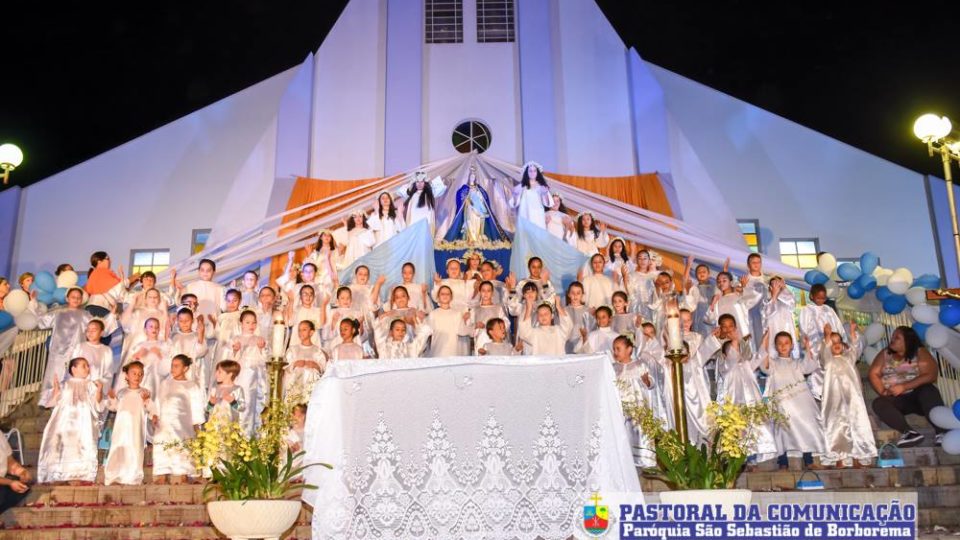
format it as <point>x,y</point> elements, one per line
<point>81,78</point>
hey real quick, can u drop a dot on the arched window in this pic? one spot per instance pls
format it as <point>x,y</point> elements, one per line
<point>472,135</point>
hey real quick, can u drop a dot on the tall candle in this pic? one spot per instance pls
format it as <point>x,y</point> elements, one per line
<point>674,339</point>
<point>278,341</point>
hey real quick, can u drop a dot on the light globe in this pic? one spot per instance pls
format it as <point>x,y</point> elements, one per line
<point>931,127</point>
<point>10,156</point>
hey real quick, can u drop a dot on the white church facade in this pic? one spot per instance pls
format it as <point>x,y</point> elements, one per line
<point>398,83</point>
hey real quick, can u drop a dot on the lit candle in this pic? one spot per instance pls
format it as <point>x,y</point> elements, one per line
<point>279,339</point>
<point>674,339</point>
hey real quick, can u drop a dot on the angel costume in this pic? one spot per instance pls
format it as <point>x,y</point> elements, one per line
<point>190,344</point>
<point>390,349</point>
<point>545,340</point>
<point>252,379</point>
<point>758,285</point>
<point>707,291</point>
<point>100,359</point>
<point>738,305</point>
<point>530,203</point>
<point>591,243</point>
<point>156,364</point>
<point>69,326</point>
<point>447,327</point>
<point>846,424</point>
<point>180,406</point>
<point>696,387</point>
<point>128,438</point>
<point>598,290</point>
<point>385,228</point>
<point>598,341</point>
<point>640,290</point>
<point>778,317</point>
<point>631,375</point>
<point>803,431</point>
<point>557,222</point>
<point>360,241</point>
<point>303,378</point>
<point>579,318</point>
<point>462,292</point>
<point>68,450</point>
<point>812,320</point>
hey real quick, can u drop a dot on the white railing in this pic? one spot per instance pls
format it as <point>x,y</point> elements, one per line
<point>23,366</point>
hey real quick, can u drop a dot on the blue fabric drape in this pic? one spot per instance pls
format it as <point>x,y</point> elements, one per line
<point>414,244</point>
<point>560,258</point>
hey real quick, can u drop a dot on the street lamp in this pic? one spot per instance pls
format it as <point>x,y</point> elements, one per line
<point>10,158</point>
<point>936,132</point>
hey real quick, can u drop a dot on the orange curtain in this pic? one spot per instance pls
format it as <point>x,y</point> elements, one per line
<point>642,190</point>
<point>307,190</point>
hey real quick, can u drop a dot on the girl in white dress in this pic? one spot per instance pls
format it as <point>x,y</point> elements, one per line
<point>69,325</point>
<point>846,425</point>
<point>396,342</point>
<point>134,408</point>
<point>192,343</point>
<point>597,287</point>
<point>618,259</point>
<point>68,451</point>
<point>306,361</point>
<point>558,222</point>
<point>249,350</point>
<point>345,309</point>
<point>447,325</point>
<point>472,260</point>
<point>813,318</point>
<point>152,352</point>
<point>360,239</point>
<point>420,202</point>
<point>489,271</point>
<point>802,434</point>
<point>400,309</point>
<point>778,316</point>
<point>180,406</point>
<point>623,321</point>
<point>99,356</point>
<point>696,385</point>
<point>462,289</point>
<point>634,374</point>
<point>326,258</point>
<point>308,311</point>
<point>591,236</point>
<point>226,325</point>
<point>417,296</point>
<point>209,293</point>
<point>548,338</point>
<point>531,198</point>
<point>345,346</point>
<point>639,283</point>
<point>730,302</point>
<point>133,319</point>
<point>386,222</point>
<point>365,297</point>
<point>484,310</point>
<point>579,315</point>
<point>601,339</point>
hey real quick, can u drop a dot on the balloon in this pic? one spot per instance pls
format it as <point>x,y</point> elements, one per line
<point>869,262</point>
<point>937,336</point>
<point>895,304</point>
<point>26,321</point>
<point>921,329</point>
<point>956,408</point>
<point>927,281</point>
<point>867,282</point>
<point>60,295</point>
<point>952,358</point>
<point>873,333</point>
<point>900,281</point>
<point>45,297</point>
<point>16,302</point>
<point>834,276</point>
<point>45,282</point>
<point>82,280</point>
<point>815,277</point>
<point>855,291</point>
<point>67,279</point>
<point>925,314</point>
<point>883,293</point>
<point>883,276</point>
<point>949,314</point>
<point>951,442</point>
<point>6,320</point>
<point>916,296</point>
<point>848,271</point>
<point>833,290</point>
<point>869,353</point>
<point>826,263</point>
<point>943,417</point>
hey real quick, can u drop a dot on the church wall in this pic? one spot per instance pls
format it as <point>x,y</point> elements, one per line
<point>535,38</point>
<point>404,87</point>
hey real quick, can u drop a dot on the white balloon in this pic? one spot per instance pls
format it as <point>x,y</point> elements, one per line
<point>16,302</point>
<point>952,358</point>
<point>26,321</point>
<point>916,296</point>
<point>951,442</point>
<point>925,314</point>
<point>943,417</point>
<point>67,278</point>
<point>937,336</point>
<point>882,275</point>
<point>873,333</point>
<point>900,281</point>
<point>869,353</point>
<point>833,290</point>
<point>877,271</point>
<point>834,276</point>
<point>827,263</point>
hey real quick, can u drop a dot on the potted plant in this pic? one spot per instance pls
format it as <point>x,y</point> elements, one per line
<point>706,473</point>
<point>254,482</point>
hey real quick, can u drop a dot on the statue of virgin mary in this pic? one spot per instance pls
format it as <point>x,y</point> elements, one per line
<point>474,220</point>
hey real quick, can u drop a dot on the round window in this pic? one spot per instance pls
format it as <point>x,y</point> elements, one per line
<point>471,135</point>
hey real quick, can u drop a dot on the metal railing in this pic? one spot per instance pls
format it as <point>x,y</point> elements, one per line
<point>23,367</point>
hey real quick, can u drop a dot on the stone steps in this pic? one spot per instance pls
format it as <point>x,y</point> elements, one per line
<point>103,516</point>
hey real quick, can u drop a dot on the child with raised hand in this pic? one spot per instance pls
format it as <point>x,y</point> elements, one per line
<point>484,310</point>
<point>813,318</point>
<point>634,374</point>
<point>547,338</point>
<point>69,326</point>
<point>227,323</point>
<point>498,344</point>
<point>448,324</point>
<point>68,451</point>
<point>461,288</point>
<point>227,400</point>
<point>579,314</point>
<point>99,356</point>
<point>308,310</point>
<point>134,408</point>
<point>847,430</point>
<point>306,361</point>
<point>192,343</point>
<point>397,343</point>
<point>623,321</point>
<point>778,315</point>
<point>249,350</point>
<point>601,339</point>
<point>417,295</point>
<point>152,352</point>
<point>134,318</point>
<point>210,295</point>
<point>696,385</point>
<point>708,289</point>
<point>180,405</point>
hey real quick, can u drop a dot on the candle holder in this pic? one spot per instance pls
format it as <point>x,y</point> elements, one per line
<point>676,354</point>
<point>277,363</point>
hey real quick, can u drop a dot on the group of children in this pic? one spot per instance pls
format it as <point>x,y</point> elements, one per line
<point>199,349</point>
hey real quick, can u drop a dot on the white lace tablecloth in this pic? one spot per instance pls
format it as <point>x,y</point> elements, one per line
<point>464,447</point>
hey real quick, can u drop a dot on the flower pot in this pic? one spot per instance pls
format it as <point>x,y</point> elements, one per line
<point>243,520</point>
<point>726,498</point>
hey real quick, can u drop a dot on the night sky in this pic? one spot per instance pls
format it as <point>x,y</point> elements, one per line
<point>82,78</point>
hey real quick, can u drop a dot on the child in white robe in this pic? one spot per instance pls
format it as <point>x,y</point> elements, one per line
<point>345,346</point>
<point>226,401</point>
<point>68,450</point>
<point>598,288</point>
<point>547,338</point>
<point>386,220</point>
<point>461,289</point>
<point>326,258</point>
<point>180,411</point>
<point>134,407</point>
<point>99,356</point>
<point>707,289</point>
<point>485,310</point>
<point>618,259</point>
<point>730,302</point>
<point>696,385</point>
<point>294,438</point>
<point>345,309</point>
<point>846,424</point>
<point>590,236</point>
<point>601,339</point>
<point>489,271</point>
<point>306,362</point>
<point>360,239</point>
<point>633,374</point>
<point>757,283</point>
<point>192,343</point>
<point>624,322</point>
<point>152,352</point>
<point>365,297</point>
<point>399,308</point>
<point>133,320</point>
<point>248,289</point>
<point>421,200</point>
<point>579,315</point>
<point>497,343</point>
<point>448,324</point>
<point>307,310</point>
<point>69,326</point>
<point>664,289</point>
<point>778,315</point>
<point>227,324</point>
<point>558,222</point>
<point>395,343</point>
<point>209,293</point>
<point>802,434</point>
<point>538,275</point>
<point>639,283</point>
<point>417,296</point>
<point>813,317</point>
<point>249,350</point>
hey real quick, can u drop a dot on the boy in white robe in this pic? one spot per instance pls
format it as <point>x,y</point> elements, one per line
<point>180,405</point>
<point>192,344</point>
<point>209,293</point>
<point>395,344</point>
<point>601,339</point>
<point>547,338</point>
<point>448,324</point>
<point>498,344</point>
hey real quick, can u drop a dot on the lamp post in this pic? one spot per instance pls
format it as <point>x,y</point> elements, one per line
<point>10,158</point>
<point>935,131</point>
<point>278,349</point>
<point>676,354</point>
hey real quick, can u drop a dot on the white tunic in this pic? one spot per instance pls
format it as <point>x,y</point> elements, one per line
<point>738,384</point>
<point>180,406</point>
<point>812,320</point>
<point>446,326</point>
<point>530,203</point>
<point>479,315</point>
<point>68,450</point>
<point>385,228</point>
<point>303,379</point>
<point>124,463</point>
<point>360,241</point>
<point>253,380</point>
<point>598,341</point>
<point>69,326</point>
<point>545,340</point>
<point>598,290</point>
<point>209,296</point>
<point>189,344</point>
<point>156,364</point>
<point>462,292</point>
<point>737,305</point>
<point>803,431</point>
<point>556,223</point>
<point>846,424</point>
<point>778,317</point>
<point>592,241</point>
<point>100,358</point>
<point>696,386</point>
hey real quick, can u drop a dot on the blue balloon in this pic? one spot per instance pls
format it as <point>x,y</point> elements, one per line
<point>867,282</point>
<point>6,320</point>
<point>927,281</point>
<point>82,280</point>
<point>895,304</point>
<point>869,262</point>
<point>949,316</point>
<point>921,330</point>
<point>848,271</point>
<point>815,277</point>
<point>948,303</point>
<point>855,291</point>
<point>883,293</point>
<point>45,297</point>
<point>60,295</point>
<point>45,281</point>
<point>956,408</point>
